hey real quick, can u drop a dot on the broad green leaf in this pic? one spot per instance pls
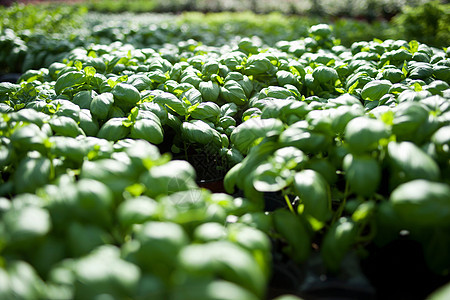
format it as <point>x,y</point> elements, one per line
<point>362,173</point>
<point>26,224</point>
<point>84,98</point>
<point>337,242</point>
<point>126,93</point>
<point>174,176</point>
<point>159,242</point>
<point>325,74</point>
<point>172,102</point>
<point>313,191</point>
<point>213,289</point>
<point>291,228</point>
<point>67,80</point>
<point>422,202</point>
<point>198,131</point>
<point>374,90</point>
<point>363,134</point>
<point>89,71</point>
<point>113,275</point>
<point>65,126</point>
<point>246,134</point>
<point>137,211</point>
<point>409,162</point>
<point>206,111</point>
<point>148,130</point>
<point>209,90</point>
<point>226,260</point>
<point>113,130</point>
<point>267,178</point>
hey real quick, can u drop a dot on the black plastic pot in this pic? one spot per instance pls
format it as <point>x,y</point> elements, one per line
<point>10,77</point>
<point>310,280</point>
<point>272,200</point>
<point>210,170</point>
<point>214,185</point>
<point>398,270</point>
<point>349,284</point>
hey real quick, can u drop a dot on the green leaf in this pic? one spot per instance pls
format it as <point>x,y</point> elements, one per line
<point>172,177</point>
<point>89,71</point>
<point>126,93</point>
<point>209,111</point>
<point>78,65</point>
<point>26,224</point>
<point>244,136</point>
<point>337,242</point>
<point>304,139</point>
<point>133,114</point>
<point>409,162</point>
<point>114,129</point>
<point>159,242</point>
<point>197,131</point>
<point>172,102</point>
<point>362,173</point>
<point>147,129</point>
<point>31,174</point>
<point>112,83</point>
<point>83,98</point>
<point>101,105</point>
<point>232,91</point>
<point>226,260</point>
<point>422,202</point>
<point>378,41</point>
<point>364,211</point>
<point>363,134</point>
<point>65,126</point>
<point>352,88</point>
<point>67,80</point>
<point>313,191</point>
<point>192,107</point>
<point>113,275</point>
<point>87,123</point>
<point>374,90</point>
<point>325,74</point>
<point>127,123</point>
<point>417,87</point>
<point>209,90</point>
<point>292,229</point>
<point>388,117</point>
<point>413,46</point>
<point>137,210</point>
<point>269,179</point>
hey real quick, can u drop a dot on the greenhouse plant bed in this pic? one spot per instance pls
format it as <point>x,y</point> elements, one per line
<point>334,161</point>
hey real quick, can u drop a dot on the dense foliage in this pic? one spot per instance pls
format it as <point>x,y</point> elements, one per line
<point>330,153</point>
<point>26,40</point>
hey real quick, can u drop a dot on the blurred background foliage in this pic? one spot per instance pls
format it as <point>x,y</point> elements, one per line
<point>353,20</point>
<point>34,36</point>
<point>365,9</point>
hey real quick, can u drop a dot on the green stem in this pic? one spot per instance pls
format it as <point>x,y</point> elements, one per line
<point>342,206</point>
<point>372,232</point>
<point>288,202</point>
<point>52,170</point>
<point>185,151</point>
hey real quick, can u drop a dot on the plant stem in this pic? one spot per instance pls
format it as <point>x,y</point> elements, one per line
<point>288,202</point>
<point>342,205</point>
<point>185,151</point>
